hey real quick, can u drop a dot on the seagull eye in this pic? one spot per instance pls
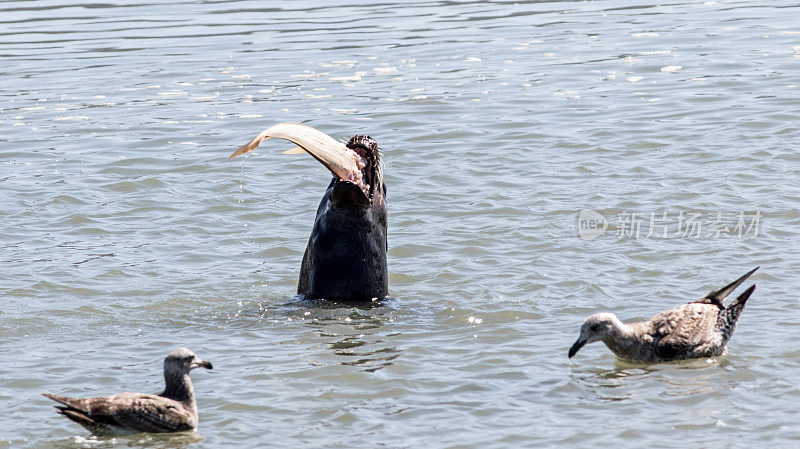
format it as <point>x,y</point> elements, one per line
<point>593,328</point>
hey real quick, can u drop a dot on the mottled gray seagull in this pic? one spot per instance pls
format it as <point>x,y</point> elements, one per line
<point>700,328</point>
<point>174,410</point>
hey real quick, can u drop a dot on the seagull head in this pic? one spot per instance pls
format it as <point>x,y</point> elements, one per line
<point>596,328</point>
<point>184,360</point>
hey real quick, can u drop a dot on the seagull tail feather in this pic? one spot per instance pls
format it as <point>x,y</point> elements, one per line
<point>730,316</point>
<point>716,297</point>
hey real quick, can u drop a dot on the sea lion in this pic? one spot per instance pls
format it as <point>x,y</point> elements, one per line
<point>345,259</point>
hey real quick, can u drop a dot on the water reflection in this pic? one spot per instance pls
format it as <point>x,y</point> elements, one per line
<point>609,385</point>
<point>157,441</point>
<point>676,379</point>
<point>357,334</point>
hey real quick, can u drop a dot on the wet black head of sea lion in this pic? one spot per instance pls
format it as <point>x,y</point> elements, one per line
<point>345,259</point>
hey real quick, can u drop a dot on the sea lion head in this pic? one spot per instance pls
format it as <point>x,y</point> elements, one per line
<point>367,189</point>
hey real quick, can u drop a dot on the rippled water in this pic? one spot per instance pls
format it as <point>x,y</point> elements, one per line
<point>126,232</point>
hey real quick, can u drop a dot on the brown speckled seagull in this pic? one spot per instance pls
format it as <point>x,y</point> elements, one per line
<point>700,328</point>
<point>174,410</point>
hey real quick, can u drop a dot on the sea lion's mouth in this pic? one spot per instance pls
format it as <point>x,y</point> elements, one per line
<point>365,177</point>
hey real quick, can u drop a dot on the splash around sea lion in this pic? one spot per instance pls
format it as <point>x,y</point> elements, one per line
<point>345,259</point>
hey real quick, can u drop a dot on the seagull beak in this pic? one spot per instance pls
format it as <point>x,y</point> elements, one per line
<point>200,363</point>
<point>576,347</point>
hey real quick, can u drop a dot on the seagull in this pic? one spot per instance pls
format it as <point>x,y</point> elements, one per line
<point>700,328</point>
<point>174,410</point>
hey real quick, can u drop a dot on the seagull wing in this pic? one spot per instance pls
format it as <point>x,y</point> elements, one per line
<point>146,413</point>
<point>127,413</point>
<point>682,331</point>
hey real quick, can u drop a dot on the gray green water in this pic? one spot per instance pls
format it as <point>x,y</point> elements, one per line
<point>126,232</point>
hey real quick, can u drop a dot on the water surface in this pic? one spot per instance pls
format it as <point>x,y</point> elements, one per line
<point>126,232</point>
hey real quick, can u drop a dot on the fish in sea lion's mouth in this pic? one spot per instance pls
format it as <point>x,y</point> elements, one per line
<point>358,161</point>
